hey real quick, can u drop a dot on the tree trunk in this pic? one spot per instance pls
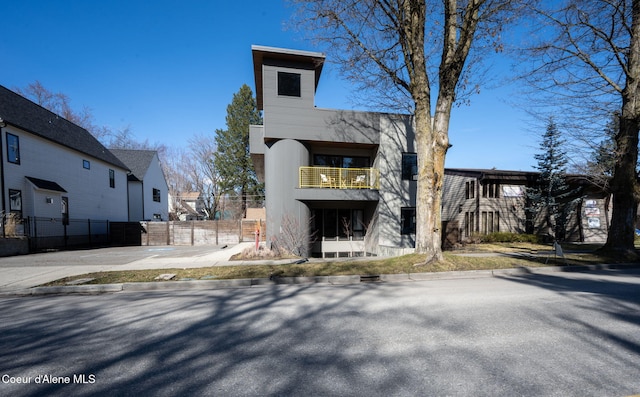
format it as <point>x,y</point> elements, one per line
<point>624,187</point>
<point>624,184</point>
<point>428,200</point>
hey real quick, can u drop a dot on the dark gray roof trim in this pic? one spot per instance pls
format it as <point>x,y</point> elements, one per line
<point>20,112</point>
<point>46,185</point>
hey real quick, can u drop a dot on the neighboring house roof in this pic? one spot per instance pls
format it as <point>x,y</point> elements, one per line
<point>20,112</point>
<point>138,161</point>
<point>493,174</point>
<point>190,196</point>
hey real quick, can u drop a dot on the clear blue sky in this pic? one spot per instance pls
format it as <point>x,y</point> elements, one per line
<point>169,68</point>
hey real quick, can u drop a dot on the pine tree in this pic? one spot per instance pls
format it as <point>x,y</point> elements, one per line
<point>552,195</point>
<point>232,159</point>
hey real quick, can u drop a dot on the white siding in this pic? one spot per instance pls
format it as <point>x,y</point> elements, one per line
<point>154,179</point>
<point>88,190</point>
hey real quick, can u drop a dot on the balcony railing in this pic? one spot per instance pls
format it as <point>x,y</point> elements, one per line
<point>339,178</point>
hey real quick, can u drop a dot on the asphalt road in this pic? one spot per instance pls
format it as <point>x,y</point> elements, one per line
<point>560,334</point>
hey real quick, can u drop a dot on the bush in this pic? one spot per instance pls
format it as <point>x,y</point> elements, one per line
<point>504,237</point>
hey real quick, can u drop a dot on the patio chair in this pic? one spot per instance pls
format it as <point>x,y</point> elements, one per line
<point>325,181</point>
<point>359,181</point>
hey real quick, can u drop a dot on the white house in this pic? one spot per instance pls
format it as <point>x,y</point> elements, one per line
<point>148,189</point>
<point>52,168</point>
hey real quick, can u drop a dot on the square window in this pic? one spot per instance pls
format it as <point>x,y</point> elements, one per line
<point>13,149</point>
<point>289,84</point>
<point>86,164</point>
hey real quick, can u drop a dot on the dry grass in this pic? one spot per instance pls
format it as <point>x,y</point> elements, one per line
<point>511,255</point>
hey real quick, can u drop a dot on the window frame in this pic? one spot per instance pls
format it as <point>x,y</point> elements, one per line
<point>13,156</point>
<point>409,166</point>
<point>86,164</point>
<point>156,193</point>
<point>15,205</point>
<point>289,84</point>
<point>408,221</point>
<point>112,178</point>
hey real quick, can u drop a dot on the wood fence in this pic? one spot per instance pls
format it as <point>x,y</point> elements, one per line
<point>201,232</point>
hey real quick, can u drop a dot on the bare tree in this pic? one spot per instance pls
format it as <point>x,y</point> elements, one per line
<point>204,173</point>
<point>60,104</point>
<point>586,62</point>
<point>176,172</point>
<point>410,52</point>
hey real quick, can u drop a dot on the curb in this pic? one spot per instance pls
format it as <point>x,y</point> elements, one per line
<point>94,289</point>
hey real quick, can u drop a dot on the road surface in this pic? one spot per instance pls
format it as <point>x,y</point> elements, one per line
<point>560,334</point>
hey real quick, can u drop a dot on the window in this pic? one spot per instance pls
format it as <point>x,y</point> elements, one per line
<point>15,203</point>
<point>470,190</point>
<point>156,195</point>
<point>469,223</point>
<point>338,224</point>
<point>86,164</point>
<point>491,189</point>
<point>112,178</point>
<point>157,217</point>
<point>65,210</point>
<point>13,149</point>
<point>289,84</point>
<point>408,220</point>
<point>409,166</point>
<point>490,221</point>
<point>325,160</point>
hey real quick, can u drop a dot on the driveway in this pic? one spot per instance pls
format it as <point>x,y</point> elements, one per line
<point>26,271</point>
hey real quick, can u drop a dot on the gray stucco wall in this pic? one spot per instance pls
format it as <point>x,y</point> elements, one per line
<point>396,137</point>
<point>282,161</point>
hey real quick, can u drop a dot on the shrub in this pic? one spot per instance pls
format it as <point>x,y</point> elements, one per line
<point>504,237</point>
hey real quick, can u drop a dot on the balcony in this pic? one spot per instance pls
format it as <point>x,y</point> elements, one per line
<point>339,178</point>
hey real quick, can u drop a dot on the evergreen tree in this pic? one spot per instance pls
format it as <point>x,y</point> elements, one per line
<point>232,159</point>
<point>552,195</point>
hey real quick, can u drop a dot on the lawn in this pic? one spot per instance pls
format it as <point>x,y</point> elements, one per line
<point>473,257</point>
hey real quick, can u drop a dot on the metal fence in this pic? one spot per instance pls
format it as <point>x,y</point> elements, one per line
<point>59,233</point>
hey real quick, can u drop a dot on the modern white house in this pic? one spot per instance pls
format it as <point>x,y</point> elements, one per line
<point>345,181</point>
<point>148,190</point>
<point>53,169</point>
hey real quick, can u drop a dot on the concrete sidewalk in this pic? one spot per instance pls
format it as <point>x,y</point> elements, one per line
<point>21,272</point>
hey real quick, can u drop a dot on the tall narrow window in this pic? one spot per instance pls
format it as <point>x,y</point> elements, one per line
<point>156,195</point>
<point>65,210</point>
<point>289,84</point>
<point>469,223</point>
<point>15,203</point>
<point>409,166</point>
<point>13,149</point>
<point>112,178</point>
<point>408,220</point>
<point>470,190</point>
